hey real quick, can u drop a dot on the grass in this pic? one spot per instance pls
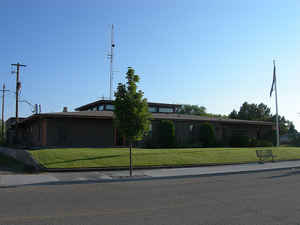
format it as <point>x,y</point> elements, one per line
<point>119,157</point>
<point>10,164</point>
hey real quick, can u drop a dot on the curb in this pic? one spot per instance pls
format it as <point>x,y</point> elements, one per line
<point>145,178</point>
<point>87,169</point>
<point>83,169</point>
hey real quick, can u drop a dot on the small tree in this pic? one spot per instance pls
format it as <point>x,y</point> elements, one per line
<point>132,117</point>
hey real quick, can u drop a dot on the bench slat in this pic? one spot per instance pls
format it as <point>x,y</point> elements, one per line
<point>262,154</point>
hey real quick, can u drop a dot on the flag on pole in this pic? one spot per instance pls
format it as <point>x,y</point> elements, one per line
<point>274,79</point>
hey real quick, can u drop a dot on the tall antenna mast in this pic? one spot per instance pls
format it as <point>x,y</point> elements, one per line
<point>111,56</point>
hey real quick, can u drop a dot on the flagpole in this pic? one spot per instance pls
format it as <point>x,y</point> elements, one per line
<point>277,126</point>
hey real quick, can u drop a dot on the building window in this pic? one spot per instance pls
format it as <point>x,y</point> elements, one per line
<point>100,107</point>
<point>165,110</point>
<point>150,130</point>
<point>110,107</point>
<point>152,109</point>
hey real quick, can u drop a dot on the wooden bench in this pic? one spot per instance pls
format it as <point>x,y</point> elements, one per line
<point>264,154</point>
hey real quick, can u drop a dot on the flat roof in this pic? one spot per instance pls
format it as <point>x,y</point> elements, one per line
<point>99,102</point>
<point>155,116</point>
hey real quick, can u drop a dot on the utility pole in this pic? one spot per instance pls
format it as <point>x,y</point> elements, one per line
<point>3,97</point>
<point>18,86</point>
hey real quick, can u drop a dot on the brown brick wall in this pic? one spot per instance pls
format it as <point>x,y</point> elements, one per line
<point>79,132</point>
<point>188,135</point>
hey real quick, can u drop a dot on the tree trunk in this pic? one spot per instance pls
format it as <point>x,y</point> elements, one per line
<point>130,163</point>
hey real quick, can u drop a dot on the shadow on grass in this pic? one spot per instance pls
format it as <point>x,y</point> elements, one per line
<point>10,165</point>
<point>4,169</point>
<point>83,159</point>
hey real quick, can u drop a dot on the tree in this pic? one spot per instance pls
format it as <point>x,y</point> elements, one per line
<point>198,110</point>
<point>292,132</point>
<point>260,112</point>
<point>193,110</point>
<point>233,115</point>
<point>131,111</point>
<point>252,112</point>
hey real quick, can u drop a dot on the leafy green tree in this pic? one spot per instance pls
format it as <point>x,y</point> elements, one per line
<point>252,112</point>
<point>260,112</point>
<point>284,124</point>
<point>193,110</point>
<point>293,135</point>
<point>233,115</point>
<point>198,110</point>
<point>131,111</point>
<point>292,132</point>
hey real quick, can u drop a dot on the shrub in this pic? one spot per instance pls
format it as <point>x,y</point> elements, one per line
<point>264,143</point>
<point>253,142</point>
<point>270,136</point>
<point>220,143</point>
<point>166,131</point>
<point>2,141</point>
<point>296,141</point>
<point>207,135</point>
<point>240,141</point>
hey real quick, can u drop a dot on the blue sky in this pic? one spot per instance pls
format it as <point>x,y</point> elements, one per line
<point>215,53</point>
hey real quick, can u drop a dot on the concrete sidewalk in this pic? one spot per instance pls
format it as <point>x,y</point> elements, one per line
<point>11,180</point>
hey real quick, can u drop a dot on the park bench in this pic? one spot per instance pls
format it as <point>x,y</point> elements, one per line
<point>264,154</point>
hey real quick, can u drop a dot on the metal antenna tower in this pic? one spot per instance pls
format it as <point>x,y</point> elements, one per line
<point>111,57</point>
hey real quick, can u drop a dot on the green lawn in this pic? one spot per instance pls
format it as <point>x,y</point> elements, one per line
<point>119,157</point>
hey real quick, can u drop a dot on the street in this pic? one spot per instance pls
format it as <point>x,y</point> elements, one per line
<point>254,198</point>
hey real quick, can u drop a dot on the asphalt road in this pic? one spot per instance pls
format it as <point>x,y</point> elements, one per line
<point>254,198</point>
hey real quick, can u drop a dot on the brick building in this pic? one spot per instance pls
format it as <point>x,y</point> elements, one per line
<point>92,125</point>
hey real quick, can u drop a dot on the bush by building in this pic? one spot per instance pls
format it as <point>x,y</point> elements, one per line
<point>270,137</point>
<point>240,141</point>
<point>245,141</point>
<point>264,143</point>
<point>295,141</point>
<point>207,135</point>
<point>166,136</point>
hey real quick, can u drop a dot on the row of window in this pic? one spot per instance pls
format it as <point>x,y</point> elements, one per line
<point>101,108</point>
<point>151,109</point>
